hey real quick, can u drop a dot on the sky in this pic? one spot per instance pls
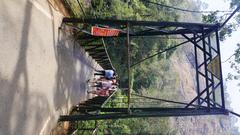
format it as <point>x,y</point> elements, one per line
<point>227,49</point>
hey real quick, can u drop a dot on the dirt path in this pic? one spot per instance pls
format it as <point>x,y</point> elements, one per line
<point>41,75</point>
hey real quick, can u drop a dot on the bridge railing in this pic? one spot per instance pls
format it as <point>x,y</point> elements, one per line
<point>97,49</point>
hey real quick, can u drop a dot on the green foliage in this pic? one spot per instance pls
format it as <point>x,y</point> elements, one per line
<point>234,3</point>
<point>210,18</point>
<point>134,126</point>
<point>214,18</point>
<point>237,54</point>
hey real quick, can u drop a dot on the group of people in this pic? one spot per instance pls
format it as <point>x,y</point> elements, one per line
<point>105,84</point>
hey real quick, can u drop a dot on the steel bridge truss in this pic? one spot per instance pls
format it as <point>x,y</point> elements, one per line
<point>205,40</point>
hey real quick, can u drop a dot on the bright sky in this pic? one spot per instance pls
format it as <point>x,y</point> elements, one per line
<point>227,49</point>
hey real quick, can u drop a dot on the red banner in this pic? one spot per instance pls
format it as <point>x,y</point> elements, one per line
<point>104,32</point>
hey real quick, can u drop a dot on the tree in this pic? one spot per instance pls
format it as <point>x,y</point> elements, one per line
<point>226,31</point>
<point>214,17</point>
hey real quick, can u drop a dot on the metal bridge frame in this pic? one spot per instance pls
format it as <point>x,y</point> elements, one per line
<point>200,35</point>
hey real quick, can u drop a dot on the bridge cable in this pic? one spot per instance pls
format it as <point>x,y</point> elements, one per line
<point>184,10</point>
<point>160,52</point>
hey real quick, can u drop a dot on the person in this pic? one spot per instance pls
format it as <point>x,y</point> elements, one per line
<point>101,83</point>
<point>100,92</point>
<point>103,92</point>
<point>108,74</point>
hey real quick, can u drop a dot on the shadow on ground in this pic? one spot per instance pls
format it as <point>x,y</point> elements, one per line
<point>74,68</point>
<point>18,110</point>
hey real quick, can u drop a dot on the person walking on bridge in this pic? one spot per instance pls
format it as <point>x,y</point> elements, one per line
<point>104,84</point>
<point>103,92</point>
<point>108,74</point>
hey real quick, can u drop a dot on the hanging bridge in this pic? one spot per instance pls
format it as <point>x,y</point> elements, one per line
<point>44,69</point>
<point>205,40</point>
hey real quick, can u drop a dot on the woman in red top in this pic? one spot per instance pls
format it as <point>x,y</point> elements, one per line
<point>103,92</point>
